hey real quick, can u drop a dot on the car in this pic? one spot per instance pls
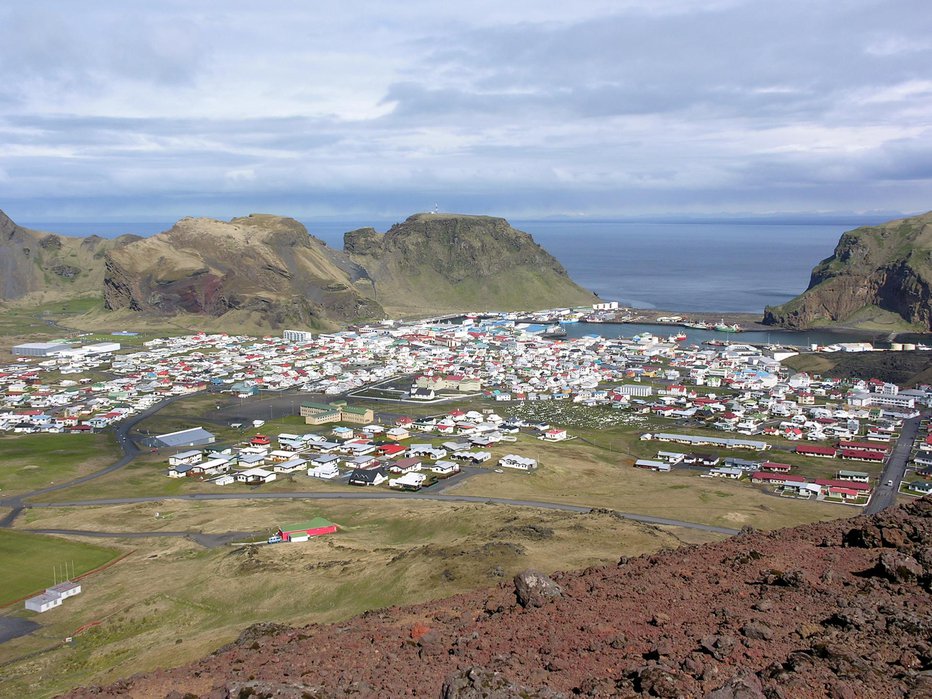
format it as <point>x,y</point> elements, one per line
<point>889,482</point>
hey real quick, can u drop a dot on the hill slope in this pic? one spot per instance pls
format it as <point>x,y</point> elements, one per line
<point>38,267</point>
<point>262,271</point>
<point>259,268</point>
<point>455,262</point>
<point>875,270</point>
<point>836,610</point>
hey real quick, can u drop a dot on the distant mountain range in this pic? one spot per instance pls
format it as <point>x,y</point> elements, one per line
<point>879,276</point>
<point>264,271</point>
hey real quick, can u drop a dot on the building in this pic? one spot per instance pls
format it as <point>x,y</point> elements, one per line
<point>302,531</point>
<point>39,349</point>
<point>321,413</point>
<point>53,596</point>
<point>297,336</point>
<point>652,465</point>
<point>517,462</point>
<point>194,437</point>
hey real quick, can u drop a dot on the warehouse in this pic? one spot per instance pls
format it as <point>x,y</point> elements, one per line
<point>194,437</point>
<point>39,349</point>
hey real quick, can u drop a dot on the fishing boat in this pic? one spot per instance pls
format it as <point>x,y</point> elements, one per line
<point>697,325</point>
<point>724,327</point>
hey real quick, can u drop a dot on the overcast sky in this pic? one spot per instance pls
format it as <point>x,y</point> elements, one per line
<point>153,110</point>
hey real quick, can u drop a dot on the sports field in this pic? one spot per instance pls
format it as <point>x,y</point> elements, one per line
<point>30,562</point>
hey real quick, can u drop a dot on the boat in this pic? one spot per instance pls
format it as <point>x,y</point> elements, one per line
<point>723,327</point>
<point>697,325</point>
<point>554,331</point>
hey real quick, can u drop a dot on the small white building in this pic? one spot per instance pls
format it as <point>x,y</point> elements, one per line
<point>43,603</point>
<point>520,463</point>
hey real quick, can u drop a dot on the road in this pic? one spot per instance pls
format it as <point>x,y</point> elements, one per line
<point>209,541</point>
<point>330,495</point>
<point>127,446</point>
<point>885,495</point>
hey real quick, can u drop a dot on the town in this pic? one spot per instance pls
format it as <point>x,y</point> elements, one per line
<point>378,401</point>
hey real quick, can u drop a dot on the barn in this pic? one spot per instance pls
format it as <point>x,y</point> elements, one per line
<point>302,531</point>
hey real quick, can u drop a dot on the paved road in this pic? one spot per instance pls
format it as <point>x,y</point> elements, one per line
<point>330,495</point>
<point>127,445</point>
<point>210,541</point>
<point>885,495</point>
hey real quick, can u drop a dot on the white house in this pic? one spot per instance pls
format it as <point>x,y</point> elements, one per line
<point>517,462</point>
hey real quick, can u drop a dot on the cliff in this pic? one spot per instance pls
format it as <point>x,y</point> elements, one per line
<point>262,271</point>
<point>259,269</point>
<point>875,270</point>
<point>455,262</point>
<point>37,267</point>
<point>835,610</point>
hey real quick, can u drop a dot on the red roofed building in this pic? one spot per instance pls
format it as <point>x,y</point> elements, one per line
<point>775,467</point>
<point>863,455</point>
<point>864,446</point>
<point>812,450</point>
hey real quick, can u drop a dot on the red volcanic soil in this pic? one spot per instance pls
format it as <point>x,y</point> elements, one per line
<point>839,610</point>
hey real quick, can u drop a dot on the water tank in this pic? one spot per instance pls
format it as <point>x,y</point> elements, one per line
<point>896,346</point>
<point>909,347</point>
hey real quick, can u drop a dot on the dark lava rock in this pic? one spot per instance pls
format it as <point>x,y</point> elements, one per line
<point>480,683</point>
<point>744,685</point>
<point>898,567</point>
<point>757,631</point>
<point>534,589</point>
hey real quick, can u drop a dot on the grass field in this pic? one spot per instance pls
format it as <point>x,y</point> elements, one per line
<point>172,601</point>
<point>29,561</point>
<point>28,462</point>
<point>576,473</point>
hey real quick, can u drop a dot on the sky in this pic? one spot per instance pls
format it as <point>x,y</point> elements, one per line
<point>528,108</point>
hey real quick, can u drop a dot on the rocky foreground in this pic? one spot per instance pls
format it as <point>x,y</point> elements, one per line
<point>839,610</point>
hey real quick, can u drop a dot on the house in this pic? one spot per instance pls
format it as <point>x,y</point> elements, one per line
<point>725,472</point>
<point>397,433</point>
<point>554,435</point>
<point>476,457</point>
<point>290,466</point>
<point>445,468</point>
<point>427,450</point>
<point>368,476</point>
<point>391,450</point>
<point>857,476</point>
<point>813,450</point>
<point>652,465</point>
<point>326,470</point>
<point>776,478</point>
<point>775,467</point>
<point>180,471</point>
<point>409,481</point>
<point>185,457</point>
<point>409,465</point>
<point>255,476</point>
<point>517,462</point>
<point>863,455</point>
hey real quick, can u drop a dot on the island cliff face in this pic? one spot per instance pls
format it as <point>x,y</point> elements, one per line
<point>458,262</point>
<point>886,267</point>
<point>263,271</point>
<point>37,267</point>
<point>259,265</point>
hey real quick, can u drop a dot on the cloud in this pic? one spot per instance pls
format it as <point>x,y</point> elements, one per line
<point>522,108</point>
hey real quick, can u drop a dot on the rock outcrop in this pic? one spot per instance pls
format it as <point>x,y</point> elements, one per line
<point>37,267</point>
<point>264,271</point>
<point>832,610</point>
<point>264,267</point>
<point>455,262</point>
<point>885,268</point>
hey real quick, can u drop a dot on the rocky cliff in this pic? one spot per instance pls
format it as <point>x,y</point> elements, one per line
<point>837,610</point>
<point>263,271</point>
<point>885,268</point>
<point>37,267</point>
<point>451,262</point>
<point>262,268</point>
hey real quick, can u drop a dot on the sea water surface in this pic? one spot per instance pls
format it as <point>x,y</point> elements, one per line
<point>725,267</point>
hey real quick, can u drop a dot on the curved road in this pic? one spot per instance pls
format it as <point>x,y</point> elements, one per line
<point>329,495</point>
<point>127,445</point>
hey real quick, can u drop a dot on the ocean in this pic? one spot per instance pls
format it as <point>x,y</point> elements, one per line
<point>710,267</point>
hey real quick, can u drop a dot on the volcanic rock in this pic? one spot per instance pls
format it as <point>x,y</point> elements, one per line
<point>534,589</point>
<point>862,632</point>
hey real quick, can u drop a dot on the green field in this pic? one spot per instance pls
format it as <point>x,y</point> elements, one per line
<point>30,560</point>
<point>32,461</point>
